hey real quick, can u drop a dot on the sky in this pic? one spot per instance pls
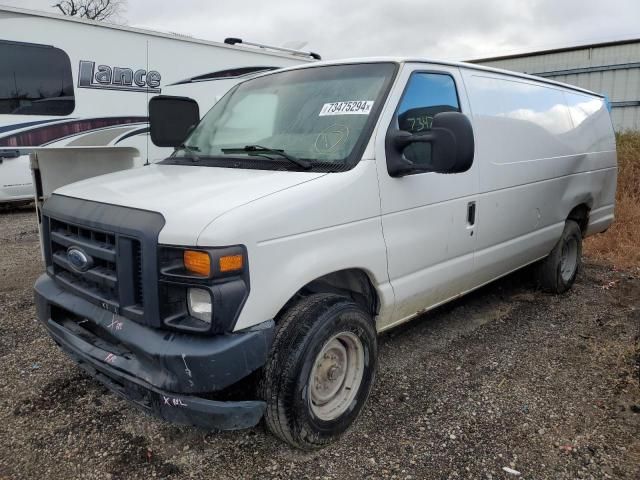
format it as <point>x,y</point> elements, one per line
<point>448,30</point>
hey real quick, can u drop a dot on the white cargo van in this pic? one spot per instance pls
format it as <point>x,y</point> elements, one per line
<point>248,274</point>
<point>72,83</point>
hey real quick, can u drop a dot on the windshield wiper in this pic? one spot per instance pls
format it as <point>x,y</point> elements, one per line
<point>192,150</point>
<point>260,150</point>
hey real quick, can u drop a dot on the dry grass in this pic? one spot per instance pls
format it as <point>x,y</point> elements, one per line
<point>621,243</point>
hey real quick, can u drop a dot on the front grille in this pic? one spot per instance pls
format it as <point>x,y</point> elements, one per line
<point>123,243</point>
<point>137,280</point>
<point>114,279</point>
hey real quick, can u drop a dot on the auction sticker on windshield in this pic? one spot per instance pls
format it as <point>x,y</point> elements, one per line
<point>352,107</point>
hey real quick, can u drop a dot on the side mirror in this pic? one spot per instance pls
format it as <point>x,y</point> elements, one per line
<point>171,119</point>
<point>451,141</point>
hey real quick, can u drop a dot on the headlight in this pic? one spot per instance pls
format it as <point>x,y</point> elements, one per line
<point>202,289</point>
<point>199,302</point>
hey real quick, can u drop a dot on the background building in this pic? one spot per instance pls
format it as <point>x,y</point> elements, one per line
<point>611,68</point>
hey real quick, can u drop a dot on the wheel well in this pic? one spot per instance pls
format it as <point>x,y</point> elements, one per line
<point>580,214</point>
<point>350,283</point>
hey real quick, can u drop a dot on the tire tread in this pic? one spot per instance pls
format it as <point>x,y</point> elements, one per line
<point>292,328</point>
<point>549,278</point>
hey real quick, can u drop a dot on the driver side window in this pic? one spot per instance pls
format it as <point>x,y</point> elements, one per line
<point>426,95</point>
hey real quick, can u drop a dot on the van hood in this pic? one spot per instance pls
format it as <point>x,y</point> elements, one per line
<point>188,197</point>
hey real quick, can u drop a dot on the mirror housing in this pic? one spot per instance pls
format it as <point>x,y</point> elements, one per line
<point>171,119</point>
<point>452,146</point>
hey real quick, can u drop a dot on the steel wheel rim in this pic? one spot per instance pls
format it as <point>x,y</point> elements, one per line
<point>336,376</point>
<point>569,259</point>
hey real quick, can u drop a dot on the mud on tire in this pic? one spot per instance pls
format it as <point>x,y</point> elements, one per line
<point>311,339</point>
<point>557,272</point>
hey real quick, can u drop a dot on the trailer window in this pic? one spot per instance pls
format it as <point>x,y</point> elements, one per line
<point>35,80</point>
<point>426,95</point>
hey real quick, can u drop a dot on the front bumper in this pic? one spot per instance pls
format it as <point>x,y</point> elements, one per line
<point>162,372</point>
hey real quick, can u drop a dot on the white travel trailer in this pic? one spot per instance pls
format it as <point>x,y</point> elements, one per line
<point>66,82</point>
<point>309,209</point>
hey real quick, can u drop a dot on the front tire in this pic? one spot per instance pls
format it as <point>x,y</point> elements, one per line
<point>558,271</point>
<point>320,371</point>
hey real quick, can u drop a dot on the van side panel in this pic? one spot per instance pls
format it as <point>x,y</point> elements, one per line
<point>542,150</point>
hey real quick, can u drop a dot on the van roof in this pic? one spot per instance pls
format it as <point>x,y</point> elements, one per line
<point>144,31</point>
<point>469,66</point>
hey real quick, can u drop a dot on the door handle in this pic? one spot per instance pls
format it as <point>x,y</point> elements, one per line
<point>9,154</point>
<point>471,213</point>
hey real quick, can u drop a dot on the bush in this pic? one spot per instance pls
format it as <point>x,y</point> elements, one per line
<point>621,243</point>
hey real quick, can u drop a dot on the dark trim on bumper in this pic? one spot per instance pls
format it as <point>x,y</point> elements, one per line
<point>157,370</point>
<point>176,408</point>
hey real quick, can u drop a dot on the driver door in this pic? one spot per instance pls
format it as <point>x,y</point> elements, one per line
<point>428,219</point>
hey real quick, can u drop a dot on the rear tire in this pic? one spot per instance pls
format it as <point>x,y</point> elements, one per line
<point>320,371</point>
<point>557,272</point>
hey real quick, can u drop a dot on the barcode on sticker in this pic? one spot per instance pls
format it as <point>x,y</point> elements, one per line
<point>352,107</point>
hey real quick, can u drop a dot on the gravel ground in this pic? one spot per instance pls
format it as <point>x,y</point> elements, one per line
<point>510,377</point>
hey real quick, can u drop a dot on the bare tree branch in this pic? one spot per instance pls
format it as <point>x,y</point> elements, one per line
<point>67,7</point>
<point>92,9</point>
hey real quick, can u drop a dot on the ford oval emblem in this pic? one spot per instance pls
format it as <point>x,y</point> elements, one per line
<point>78,259</point>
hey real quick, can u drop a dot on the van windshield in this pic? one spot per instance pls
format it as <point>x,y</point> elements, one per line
<point>321,115</point>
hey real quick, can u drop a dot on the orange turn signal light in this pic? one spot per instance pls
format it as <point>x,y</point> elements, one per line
<point>197,262</point>
<point>231,263</point>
